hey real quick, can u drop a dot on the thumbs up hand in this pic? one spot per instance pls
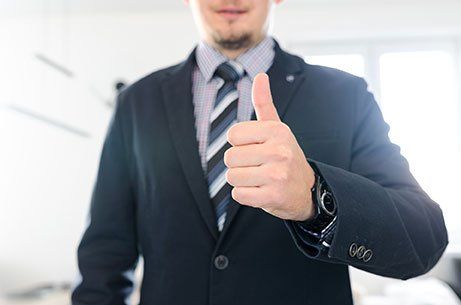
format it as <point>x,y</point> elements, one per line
<point>266,166</point>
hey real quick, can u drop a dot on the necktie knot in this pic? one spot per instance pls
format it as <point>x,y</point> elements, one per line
<point>230,71</point>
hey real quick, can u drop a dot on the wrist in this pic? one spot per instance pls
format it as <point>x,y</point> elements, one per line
<point>324,209</point>
<point>309,212</point>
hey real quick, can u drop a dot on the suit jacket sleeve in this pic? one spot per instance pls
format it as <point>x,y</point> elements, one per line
<point>108,254</point>
<point>380,204</point>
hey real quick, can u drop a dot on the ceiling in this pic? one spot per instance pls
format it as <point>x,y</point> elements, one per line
<point>39,6</point>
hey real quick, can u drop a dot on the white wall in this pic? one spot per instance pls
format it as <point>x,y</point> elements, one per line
<point>47,174</point>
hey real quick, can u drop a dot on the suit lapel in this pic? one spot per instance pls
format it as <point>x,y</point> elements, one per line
<point>285,79</point>
<point>177,91</point>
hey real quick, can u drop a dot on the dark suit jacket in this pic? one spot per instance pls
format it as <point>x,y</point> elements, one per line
<point>151,199</point>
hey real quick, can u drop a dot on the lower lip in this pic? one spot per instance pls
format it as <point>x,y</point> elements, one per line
<point>230,16</point>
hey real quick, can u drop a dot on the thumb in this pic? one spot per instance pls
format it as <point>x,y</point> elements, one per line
<point>262,99</point>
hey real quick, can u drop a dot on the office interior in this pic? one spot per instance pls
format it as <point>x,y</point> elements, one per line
<point>62,62</point>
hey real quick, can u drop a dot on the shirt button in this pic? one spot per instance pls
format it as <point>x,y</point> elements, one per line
<point>352,249</point>
<point>221,262</point>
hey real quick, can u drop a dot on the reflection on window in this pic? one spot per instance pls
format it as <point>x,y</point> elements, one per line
<point>352,63</point>
<point>418,92</point>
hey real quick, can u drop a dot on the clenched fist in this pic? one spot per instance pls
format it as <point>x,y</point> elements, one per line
<point>266,166</point>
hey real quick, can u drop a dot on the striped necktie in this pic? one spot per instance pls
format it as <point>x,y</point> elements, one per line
<point>223,116</point>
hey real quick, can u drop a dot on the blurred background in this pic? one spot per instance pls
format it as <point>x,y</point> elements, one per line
<point>62,62</point>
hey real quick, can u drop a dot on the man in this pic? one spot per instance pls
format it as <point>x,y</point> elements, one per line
<point>272,210</point>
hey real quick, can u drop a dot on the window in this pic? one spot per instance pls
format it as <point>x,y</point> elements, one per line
<point>417,89</point>
<point>418,94</point>
<point>352,63</point>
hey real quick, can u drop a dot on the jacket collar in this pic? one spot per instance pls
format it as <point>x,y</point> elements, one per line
<point>253,61</point>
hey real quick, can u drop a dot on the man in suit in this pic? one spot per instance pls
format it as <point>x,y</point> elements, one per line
<point>272,210</point>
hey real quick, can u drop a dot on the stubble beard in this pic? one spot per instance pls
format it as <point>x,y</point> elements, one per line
<point>242,41</point>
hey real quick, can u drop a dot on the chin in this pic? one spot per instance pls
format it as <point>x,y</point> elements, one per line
<point>233,41</point>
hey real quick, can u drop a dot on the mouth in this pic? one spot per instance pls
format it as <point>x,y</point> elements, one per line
<point>231,13</point>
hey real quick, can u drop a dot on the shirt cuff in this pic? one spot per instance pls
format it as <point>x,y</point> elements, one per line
<point>309,241</point>
<point>316,238</point>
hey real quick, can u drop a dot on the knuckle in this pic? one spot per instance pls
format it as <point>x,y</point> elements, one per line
<point>283,176</point>
<point>282,153</point>
<point>279,176</point>
<point>274,176</point>
<point>275,153</point>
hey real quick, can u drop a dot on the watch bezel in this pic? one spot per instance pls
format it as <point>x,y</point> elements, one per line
<point>324,193</point>
<point>321,190</point>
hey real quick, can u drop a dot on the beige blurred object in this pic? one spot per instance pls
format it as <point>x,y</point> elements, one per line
<point>55,298</point>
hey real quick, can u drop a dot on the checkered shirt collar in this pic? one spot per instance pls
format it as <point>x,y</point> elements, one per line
<point>255,60</point>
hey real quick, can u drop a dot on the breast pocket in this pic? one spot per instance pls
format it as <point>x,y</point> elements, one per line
<point>317,135</point>
<point>325,146</point>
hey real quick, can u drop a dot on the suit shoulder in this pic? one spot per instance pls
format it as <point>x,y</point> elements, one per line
<point>321,75</point>
<point>328,75</point>
<point>145,89</point>
<point>149,81</point>
<point>333,83</point>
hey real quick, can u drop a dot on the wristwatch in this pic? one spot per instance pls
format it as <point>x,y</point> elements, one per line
<point>325,210</point>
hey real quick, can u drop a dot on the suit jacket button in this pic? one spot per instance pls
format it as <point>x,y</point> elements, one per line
<point>367,255</point>
<point>361,252</point>
<point>221,262</point>
<point>352,249</point>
